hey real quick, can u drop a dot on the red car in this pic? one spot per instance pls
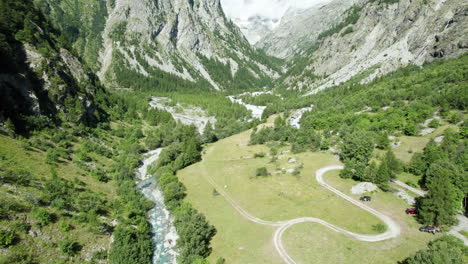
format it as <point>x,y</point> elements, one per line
<point>411,211</point>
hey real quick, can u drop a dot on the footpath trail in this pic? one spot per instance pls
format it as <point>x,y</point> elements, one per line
<point>392,231</point>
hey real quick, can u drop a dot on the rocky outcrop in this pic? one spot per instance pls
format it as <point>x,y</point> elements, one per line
<point>384,38</point>
<point>45,84</point>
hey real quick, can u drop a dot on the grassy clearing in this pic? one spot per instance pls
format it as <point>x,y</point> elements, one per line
<point>231,164</point>
<point>311,243</point>
<point>45,243</point>
<point>412,144</point>
<point>34,161</point>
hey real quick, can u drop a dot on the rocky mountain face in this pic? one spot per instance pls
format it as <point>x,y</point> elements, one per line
<point>141,39</point>
<point>381,37</point>
<point>299,28</point>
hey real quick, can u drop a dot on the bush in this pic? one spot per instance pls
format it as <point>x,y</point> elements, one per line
<point>259,155</point>
<point>42,216</point>
<point>21,227</point>
<point>261,172</point>
<point>6,238</point>
<point>64,226</point>
<point>100,255</point>
<point>221,261</point>
<point>384,186</point>
<point>434,123</point>
<point>379,228</point>
<point>69,248</point>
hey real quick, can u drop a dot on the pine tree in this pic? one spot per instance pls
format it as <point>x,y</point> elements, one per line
<point>383,142</point>
<point>370,173</point>
<point>208,134</point>
<point>383,173</point>
<point>439,206</point>
<point>10,127</point>
<point>393,163</point>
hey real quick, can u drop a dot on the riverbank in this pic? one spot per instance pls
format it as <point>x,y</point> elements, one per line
<point>163,232</point>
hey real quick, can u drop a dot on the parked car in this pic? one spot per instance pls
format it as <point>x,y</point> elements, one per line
<point>429,229</point>
<point>365,198</point>
<point>411,211</point>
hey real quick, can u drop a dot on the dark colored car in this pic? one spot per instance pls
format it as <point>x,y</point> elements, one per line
<point>429,229</point>
<point>411,211</point>
<point>365,198</point>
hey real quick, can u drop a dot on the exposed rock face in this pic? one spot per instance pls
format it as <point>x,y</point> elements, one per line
<point>172,36</point>
<point>45,86</point>
<point>386,37</point>
<point>299,28</point>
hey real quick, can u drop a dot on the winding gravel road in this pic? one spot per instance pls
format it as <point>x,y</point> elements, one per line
<point>392,231</point>
<point>406,186</point>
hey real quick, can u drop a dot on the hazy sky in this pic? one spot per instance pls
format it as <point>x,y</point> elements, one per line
<point>267,8</point>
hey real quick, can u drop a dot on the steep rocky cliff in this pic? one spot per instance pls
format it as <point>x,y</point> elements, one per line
<point>382,36</point>
<point>41,81</point>
<point>190,40</point>
<point>299,28</point>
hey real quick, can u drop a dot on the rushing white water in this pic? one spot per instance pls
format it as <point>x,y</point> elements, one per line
<point>162,227</point>
<point>188,115</point>
<point>295,120</point>
<point>257,110</point>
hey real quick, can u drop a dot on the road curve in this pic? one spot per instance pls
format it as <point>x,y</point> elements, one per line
<point>392,231</point>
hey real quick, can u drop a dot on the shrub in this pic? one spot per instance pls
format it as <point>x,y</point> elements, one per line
<point>64,226</point>
<point>68,247</point>
<point>20,227</point>
<point>379,228</point>
<point>6,238</point>
<point>434,123</point>
<point>221,261</point>
<point>259,155</point>
<point>42,216</point>
<point>261,172</point>
<point>99,255</point>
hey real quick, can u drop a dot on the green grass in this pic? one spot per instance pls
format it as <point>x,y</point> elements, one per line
<point>277,197</point>
<point>312,243</point>
<point>44,246</point>
<point>412,144</point>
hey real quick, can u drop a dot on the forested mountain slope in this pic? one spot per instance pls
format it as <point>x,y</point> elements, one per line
<point>42,82</point>
<point>378,37</point>
<point>149,44</point>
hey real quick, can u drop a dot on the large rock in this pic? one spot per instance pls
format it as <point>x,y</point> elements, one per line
<point>363,187</point>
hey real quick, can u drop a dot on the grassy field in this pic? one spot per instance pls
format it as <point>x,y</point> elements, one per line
<point>280,196</point>
<point>310,243</point>
<point>412,144</point>
<point>231,164</point>
<point>45,243</point>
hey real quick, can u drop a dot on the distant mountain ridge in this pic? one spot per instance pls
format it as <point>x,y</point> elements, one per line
<point>378,37</point>
<point>299,28</point>
<point>190,40</point>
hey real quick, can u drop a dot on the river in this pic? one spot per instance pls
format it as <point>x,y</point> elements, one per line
<point>163,231</point>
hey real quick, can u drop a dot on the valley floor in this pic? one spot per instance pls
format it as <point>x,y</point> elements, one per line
<point>230,164</point>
